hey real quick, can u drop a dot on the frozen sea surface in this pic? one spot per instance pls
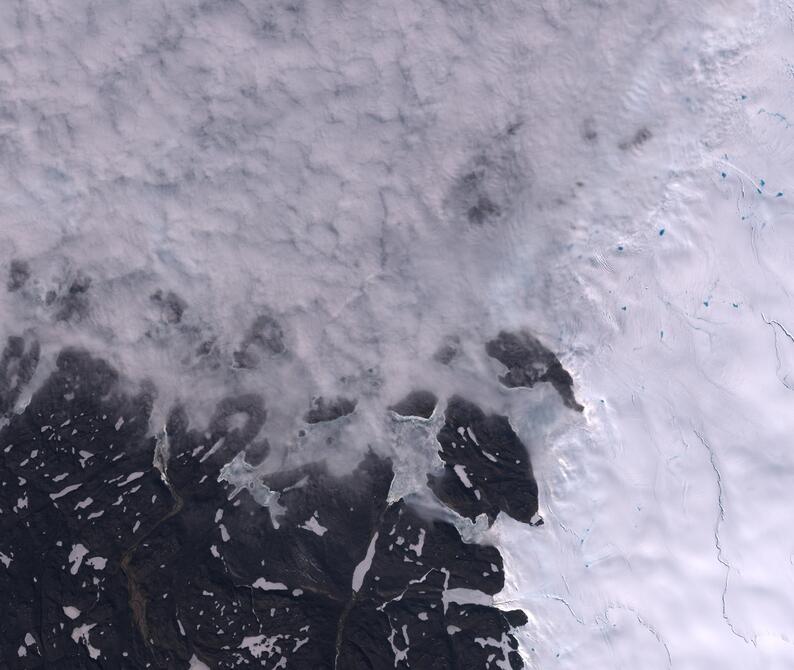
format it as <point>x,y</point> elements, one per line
<point>318,208</point>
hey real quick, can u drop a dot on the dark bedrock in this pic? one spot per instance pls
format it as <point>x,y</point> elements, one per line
<point>18,363</point>
<point>170,565</point>
<point>487,468</point>
<point>529,362</point>
<point>420,404</point>
<point>329,409</point>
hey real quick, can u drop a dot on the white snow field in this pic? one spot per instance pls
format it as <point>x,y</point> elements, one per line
<point>315,162</point>
<point>667,543</point>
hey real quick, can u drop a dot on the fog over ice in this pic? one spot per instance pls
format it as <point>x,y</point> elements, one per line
<point>348,199</point>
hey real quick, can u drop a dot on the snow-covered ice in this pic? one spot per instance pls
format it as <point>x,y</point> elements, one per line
<point>382,179</point>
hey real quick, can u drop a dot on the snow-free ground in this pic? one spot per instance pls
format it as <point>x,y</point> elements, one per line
<point>313,161</point>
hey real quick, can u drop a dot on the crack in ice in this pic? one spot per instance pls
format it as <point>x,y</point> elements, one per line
<point>772,323</point>
<point>717,539</point>
<point>645,624</point>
